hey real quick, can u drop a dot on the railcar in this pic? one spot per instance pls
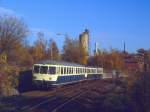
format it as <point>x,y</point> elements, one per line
<point>53,73</point>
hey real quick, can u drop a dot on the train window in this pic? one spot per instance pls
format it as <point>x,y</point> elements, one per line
<point>73,70</point>
<point>86,70</point>
<point>43,69</point>
<point>98,70</point>
<point>52,70</point>
<point>79,70</point>
<point>61,70</point>
<point>36,69</point>
<point>65,70</point>
<point>92,70</point>
<point>68,70</point>
<point>57,70</point>
<point>76,70</point>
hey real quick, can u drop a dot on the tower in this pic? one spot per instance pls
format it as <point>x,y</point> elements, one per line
<point>84,41</point>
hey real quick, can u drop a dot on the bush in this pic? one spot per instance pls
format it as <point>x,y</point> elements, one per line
<point>116,103</point>
<point>8,79</point>
<point>139,92</point>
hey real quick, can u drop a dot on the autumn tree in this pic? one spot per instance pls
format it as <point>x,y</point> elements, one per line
<point>13,31</point>
<point>52,51</point>
<point>72,51</point>
<point>117,61</point>
<point>108,60</point>
<point>39,48</point>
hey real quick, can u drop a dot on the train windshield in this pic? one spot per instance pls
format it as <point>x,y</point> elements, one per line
<point>43,69</point>
<point>52,70</point>
<point>36,69</point>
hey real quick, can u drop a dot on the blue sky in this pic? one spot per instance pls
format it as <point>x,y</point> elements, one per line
<point>111,22</point>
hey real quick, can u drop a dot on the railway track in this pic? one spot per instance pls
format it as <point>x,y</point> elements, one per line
<point>58,98</point>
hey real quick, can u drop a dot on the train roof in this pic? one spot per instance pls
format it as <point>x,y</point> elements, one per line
<point>63,63</point>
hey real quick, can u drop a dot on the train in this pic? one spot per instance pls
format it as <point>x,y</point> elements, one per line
<point>52,73</point>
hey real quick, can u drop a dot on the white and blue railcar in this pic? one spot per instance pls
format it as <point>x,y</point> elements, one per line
<point>52,73</point>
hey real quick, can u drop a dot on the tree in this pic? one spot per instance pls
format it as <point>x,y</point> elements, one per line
<point>53,51</point>
<point>108,60</point>
<point>13,31</point>
<point>39,48</point>
<point>117,60</point>
<point>72,52</point>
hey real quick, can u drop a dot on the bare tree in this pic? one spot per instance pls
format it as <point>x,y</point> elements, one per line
<point>12,34</point>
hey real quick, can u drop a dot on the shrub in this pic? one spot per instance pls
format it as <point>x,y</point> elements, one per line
<point>116,103</point>
<point>8,78</point>
<point>139,92</point>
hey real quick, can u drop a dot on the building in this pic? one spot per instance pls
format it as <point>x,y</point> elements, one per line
<point>133,62</point>
<point>84,41</point>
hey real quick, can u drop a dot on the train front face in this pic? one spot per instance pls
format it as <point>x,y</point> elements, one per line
<point>44,76</point>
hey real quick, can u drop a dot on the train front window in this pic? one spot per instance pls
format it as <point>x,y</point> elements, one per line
<point>52,70</point>
<point>36,69</point>
<point>43,69</point>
